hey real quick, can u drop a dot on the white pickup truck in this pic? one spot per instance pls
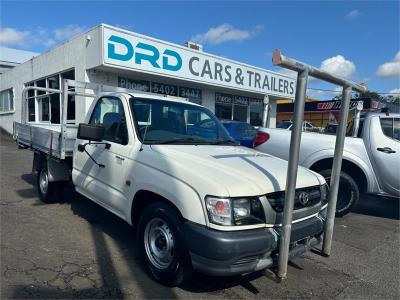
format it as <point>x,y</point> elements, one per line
<point>170,169</point>
<point>371,156</point>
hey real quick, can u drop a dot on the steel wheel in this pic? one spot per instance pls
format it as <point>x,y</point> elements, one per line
<point>43,181</point>
<point>159,243</point>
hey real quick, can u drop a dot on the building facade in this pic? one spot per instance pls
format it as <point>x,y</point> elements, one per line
<point>117,57</point>
<point>10,58</point>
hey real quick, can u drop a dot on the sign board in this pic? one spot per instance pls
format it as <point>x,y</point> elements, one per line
<point>193,94</point>
<point>131,51</point>
<point>165,89</point>
<point>132,84</point>
<point>223,99</point>
<point>240,100</point>
<point>332,105</point>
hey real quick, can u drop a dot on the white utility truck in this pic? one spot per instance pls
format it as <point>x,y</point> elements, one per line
<point>168,167</point>
<point>371,156</point>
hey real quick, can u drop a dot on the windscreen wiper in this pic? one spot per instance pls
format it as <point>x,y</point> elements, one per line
<point>181,140</point>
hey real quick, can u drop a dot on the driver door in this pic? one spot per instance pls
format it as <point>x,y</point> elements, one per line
<point>106,185</point>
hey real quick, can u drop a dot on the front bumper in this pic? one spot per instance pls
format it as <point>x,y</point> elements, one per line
<point>222,253</point>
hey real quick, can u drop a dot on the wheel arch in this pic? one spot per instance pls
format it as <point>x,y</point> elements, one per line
<point>348,166</point>
<point>144,198</point>
<point>57,170</point>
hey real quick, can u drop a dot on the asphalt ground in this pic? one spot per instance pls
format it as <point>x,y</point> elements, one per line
<point>76,249</point>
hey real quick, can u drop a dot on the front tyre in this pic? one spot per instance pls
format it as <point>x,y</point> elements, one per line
<point>48,191</point>
<point>348,194</point>
<point>162,243</point>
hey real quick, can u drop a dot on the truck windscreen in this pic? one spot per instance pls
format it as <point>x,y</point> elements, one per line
<point>170,122</point>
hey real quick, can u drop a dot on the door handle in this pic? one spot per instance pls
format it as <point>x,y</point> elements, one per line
<point>119,157</point>
<point>386,150</point>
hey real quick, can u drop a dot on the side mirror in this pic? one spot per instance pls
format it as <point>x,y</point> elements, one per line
<point>90,132</point>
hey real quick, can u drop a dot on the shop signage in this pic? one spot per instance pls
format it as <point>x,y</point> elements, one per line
<point>240,100</point>
<point>191,93</point>
<point>165,89</point>
<point>223,99</point>
<point>332,105</point>
<point>254,101</point>
<point>138,85</point>
<point>143,54</point>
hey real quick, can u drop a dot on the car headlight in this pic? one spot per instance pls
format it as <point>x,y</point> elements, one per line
<point>324,193</point>
<point>238,211</point>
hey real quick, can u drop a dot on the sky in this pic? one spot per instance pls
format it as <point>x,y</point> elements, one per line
<point>358,40</point>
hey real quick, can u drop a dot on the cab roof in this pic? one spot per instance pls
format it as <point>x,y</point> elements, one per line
<point>162,98</point>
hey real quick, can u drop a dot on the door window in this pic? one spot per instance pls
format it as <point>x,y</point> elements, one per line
<point>396,129</point>
<point>387,126</point>
<point>109,112</point>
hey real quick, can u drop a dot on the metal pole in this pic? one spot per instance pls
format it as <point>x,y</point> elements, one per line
<point>337,165</point>
<point>266,116</point>
<point>63,120</point>
<point>356,122</point>
<point>291,177</point>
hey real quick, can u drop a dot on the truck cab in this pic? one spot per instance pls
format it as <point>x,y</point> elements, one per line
<point>198,201</point>
<point>172,169</point>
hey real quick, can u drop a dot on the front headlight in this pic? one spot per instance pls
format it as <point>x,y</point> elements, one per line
<point>324,193</point>
<point>238,211</point>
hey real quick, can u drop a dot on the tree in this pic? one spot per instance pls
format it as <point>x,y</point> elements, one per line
<point>368,94</point>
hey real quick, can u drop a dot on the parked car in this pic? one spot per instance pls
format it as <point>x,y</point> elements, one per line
<point>242,132</point>
<point>197,200</point>
<point>371,159</point>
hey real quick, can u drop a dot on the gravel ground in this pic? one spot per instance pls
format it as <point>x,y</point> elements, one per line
<point>76,249</point>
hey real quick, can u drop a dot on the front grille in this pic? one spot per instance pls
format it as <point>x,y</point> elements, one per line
<point>313,195</point>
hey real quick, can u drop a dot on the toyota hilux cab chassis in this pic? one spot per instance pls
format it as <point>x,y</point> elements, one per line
<point>169,168</point>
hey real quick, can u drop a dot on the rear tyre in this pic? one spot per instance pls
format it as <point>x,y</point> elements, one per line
<point>162,243</point>
<point>348,194</point>
<point>48,191</point>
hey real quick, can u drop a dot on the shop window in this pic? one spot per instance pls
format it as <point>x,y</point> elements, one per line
<point>223,106</point>
<point>71,99</point>
<point>53,82</point>
<point>6,101</point>
<point>240,113</point>
<point>240,107</point>
<point>44,109</point>
<point>41,83</point>
<point>31,103</point>
<point>223,111</point>
<point>256,112</point>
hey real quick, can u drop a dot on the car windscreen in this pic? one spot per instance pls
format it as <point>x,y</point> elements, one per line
<point>284,125</point>
<point>170,122</point>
